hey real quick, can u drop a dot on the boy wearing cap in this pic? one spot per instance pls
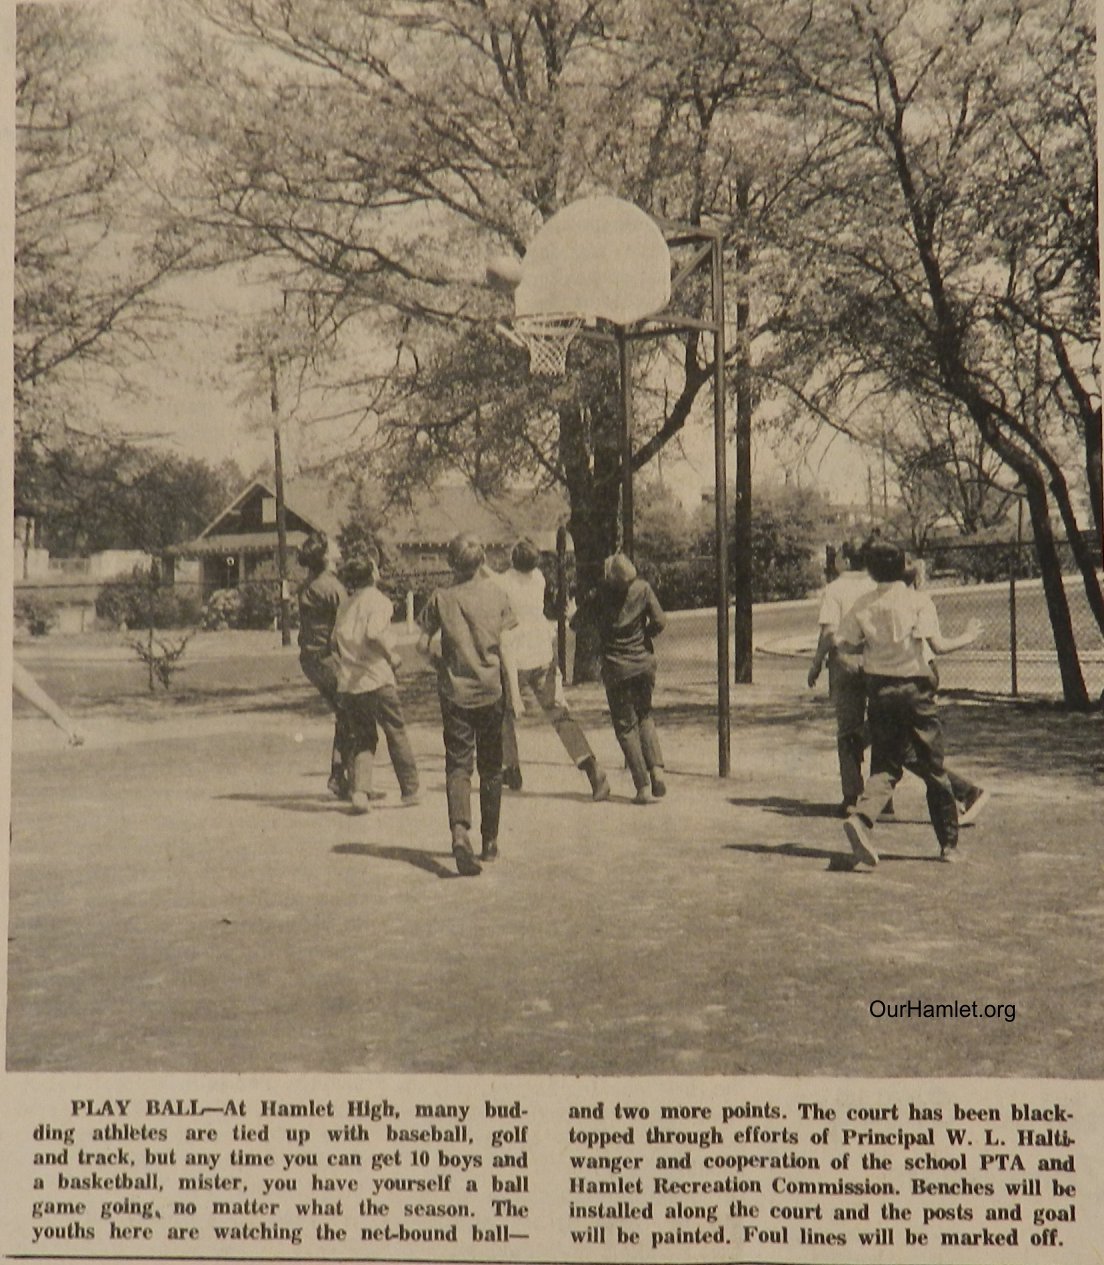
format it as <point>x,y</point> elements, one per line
<point>367,689</point>
<point>472,615</point>
<point>888,627</point>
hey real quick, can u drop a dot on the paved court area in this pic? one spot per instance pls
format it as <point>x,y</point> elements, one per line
<point>186,896</point>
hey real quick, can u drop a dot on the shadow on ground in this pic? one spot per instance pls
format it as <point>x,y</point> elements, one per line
<point>419,859</point>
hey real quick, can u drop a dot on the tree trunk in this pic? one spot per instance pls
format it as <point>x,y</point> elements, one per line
<point>1083,556</point>
<point>1050,565</point>
<point>1094,455</point>
<point>591,460</point>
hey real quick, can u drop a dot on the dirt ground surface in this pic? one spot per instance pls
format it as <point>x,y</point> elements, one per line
<point>186,896</point>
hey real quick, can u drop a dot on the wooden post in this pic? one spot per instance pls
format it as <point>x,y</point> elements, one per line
<point>281,511</point>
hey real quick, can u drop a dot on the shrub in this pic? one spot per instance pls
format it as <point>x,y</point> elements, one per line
<point>255,604</point>
<point>139,602</point>
<point>222,610</point>
<point>260,604</point>
<point>162,658</point>
<point>38,614</point>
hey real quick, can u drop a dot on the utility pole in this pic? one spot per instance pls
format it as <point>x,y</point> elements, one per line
<point>742,509</point>
<point>281,512</point>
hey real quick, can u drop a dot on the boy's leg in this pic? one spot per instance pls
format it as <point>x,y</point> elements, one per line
<point>649,735</point>
<point>459,761</point>
<point>363,740</point>
<point>340,754</point>
<point>511,757</point>
<point>570,733</point>
<point>847,691</point>
<point>970,797</point>
<point>961,786</point>
<point>322,674</point>
<point>626,725</point>
<point>488,747</point>
<point>927,746</point>
<point>889,726</point>
<point>389,717</point>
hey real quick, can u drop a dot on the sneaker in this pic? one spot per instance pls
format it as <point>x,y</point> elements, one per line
<point>490,850</point>
<point>659,786</point>
<point>415,797</point>
<point>858,835</point>
<point>970,808</point>
<point>511,778</point>
<point>359,803</point>
<point>601,789</point>
<point>950,855</point>
<point>643,796</point>
<point>462,853</point>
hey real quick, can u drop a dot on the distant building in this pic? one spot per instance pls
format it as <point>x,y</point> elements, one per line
<point>242,539</point>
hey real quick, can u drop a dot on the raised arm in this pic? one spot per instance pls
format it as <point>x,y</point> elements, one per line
<point>25,685</point>
<point>947,645</point>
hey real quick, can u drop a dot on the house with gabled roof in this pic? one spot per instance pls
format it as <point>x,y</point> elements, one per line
<point>241,540</point>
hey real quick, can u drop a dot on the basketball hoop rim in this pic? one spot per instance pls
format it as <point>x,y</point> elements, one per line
<point>547,337</point>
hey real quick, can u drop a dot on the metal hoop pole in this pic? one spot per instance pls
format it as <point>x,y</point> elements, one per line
<point>720,453</point>
<point>624,357</point>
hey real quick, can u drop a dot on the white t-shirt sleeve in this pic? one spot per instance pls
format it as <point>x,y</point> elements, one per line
<point>830,612</point>
<point>927,618</point>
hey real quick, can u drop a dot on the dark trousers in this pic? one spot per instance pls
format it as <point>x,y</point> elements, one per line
<point>473,740</point>
<point>321,672</point>
<point>366,714</point>
<point>905,731</point>
<point>540,685</point>
<point>630,704</point>
<point>847,690</point>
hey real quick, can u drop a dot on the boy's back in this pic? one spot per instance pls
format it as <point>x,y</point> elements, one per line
<point>628,615</point>
<point>471,617</point>
<point>893,623</point>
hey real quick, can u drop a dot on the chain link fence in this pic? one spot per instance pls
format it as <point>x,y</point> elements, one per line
<point>995,582</point>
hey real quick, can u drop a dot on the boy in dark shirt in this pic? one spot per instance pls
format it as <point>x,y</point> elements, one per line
<point>628,616</point>
<point>471,616</point>
<point>319,597</point>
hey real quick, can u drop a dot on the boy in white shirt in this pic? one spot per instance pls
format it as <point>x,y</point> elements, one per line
<point>366,684</point>
<point>846,687</point>
<point>889,627</point>
<point>538,674</point>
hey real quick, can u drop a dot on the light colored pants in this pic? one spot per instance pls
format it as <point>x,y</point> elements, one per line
<point>544,687</point>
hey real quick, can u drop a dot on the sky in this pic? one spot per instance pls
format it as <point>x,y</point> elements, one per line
<point>187,396</point>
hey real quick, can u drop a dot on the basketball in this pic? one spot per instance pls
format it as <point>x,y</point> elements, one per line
<point>504,272</point>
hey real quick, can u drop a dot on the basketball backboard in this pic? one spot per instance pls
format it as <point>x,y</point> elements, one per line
<point>598,258</point>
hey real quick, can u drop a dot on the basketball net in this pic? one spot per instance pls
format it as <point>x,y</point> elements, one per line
<point>547,338</point>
